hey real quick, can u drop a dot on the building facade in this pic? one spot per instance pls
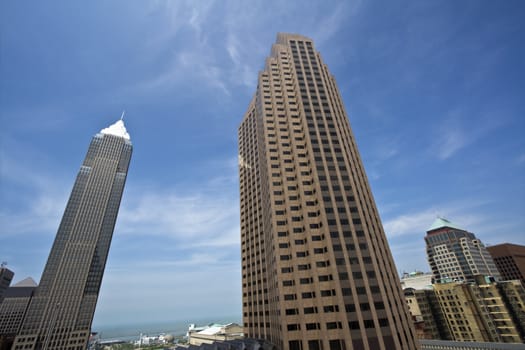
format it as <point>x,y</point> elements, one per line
<point>510,261</point>
<point>317,272</point>
<point>483,311</point>
<point>62,308</point>
<point>6,276</point>
<point>434,325</point>
<point>13,310</point>
<point>455,254</point>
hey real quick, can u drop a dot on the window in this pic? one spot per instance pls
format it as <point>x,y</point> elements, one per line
<point>311,326</point>
<point>327,292</point>
<point>294,345</point>
<point>310,310</point>
<point>353,325</point>
<point>292,311</point>
<point>290,297</point>
<point>325,278</point>
<point>308,295</point>
<point>331,308</point>
<point>315,345</point>
<point>293,327</point>
<point>333,325</point>
<point>350,307</point>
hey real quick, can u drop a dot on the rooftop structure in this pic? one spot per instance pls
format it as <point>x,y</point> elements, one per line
<point>214,332</point>
<point>416,280</point>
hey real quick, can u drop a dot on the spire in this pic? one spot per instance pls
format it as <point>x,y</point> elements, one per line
<point>117,129</point>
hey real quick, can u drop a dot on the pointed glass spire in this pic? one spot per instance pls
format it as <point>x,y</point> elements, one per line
<point>117,129</point>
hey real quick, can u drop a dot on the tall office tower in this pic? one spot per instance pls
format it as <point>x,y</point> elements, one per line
<point>455,254</point>
<point>510,260</point>
<point>62,308</point>
<point>317,272</point>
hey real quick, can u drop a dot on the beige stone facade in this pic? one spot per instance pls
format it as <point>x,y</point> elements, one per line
<point>317,272</point>
<point>482,312</point>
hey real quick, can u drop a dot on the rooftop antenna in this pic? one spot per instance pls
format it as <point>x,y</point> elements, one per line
<point>122,116</point>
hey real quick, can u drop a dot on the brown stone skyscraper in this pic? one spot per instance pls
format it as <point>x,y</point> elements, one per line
<point>62,308</point>
<point>317,272</point>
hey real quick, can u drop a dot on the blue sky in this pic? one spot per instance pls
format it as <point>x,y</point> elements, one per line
<point>434,91</point>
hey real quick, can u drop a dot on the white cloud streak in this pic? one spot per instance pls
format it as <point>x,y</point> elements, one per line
<point>451,135</point>
<point>465,214</point>
<point>200,218</point>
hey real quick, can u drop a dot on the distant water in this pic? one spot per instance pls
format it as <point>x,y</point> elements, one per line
<point>130,332</point>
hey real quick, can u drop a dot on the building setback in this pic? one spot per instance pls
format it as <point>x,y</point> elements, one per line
<point>317,272</point>
<point>455,254</point>
<point>63,305</point>
<point>510,260</point>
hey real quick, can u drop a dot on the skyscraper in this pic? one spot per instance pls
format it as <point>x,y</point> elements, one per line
<point>62,308</point>
<point>455,254</point>
<point>317,272</point>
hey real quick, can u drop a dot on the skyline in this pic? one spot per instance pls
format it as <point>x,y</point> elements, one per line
<point>166,65</point>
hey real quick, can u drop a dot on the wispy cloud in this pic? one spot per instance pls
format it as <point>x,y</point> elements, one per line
<point>202,217</point>
<point>464,213</point>
<point>458,129</point>
<point>330,24</point>
<point>222,55</point>
<point>23,213</point>
<point>451,140</point>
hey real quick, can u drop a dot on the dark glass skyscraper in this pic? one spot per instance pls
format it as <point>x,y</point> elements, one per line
<point>62,309</point>
<point>317,272</point>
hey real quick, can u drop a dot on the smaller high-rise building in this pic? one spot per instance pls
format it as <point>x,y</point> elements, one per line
<point>6,276</point>
<point>481,311</point>
<point>510,260</point>
<point>454,254</point>
<point>13,309</point>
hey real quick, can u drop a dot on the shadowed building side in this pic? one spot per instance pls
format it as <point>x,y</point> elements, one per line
<point>510,261</point>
